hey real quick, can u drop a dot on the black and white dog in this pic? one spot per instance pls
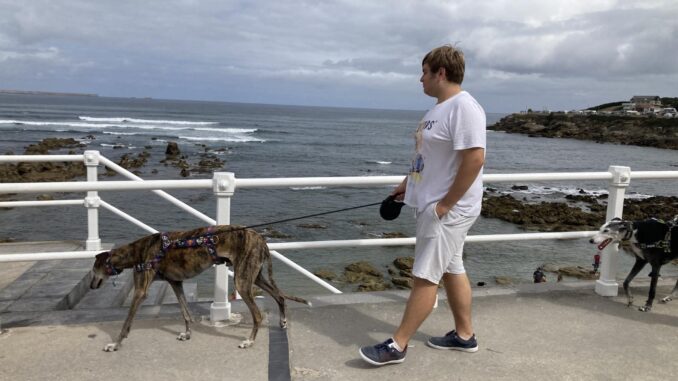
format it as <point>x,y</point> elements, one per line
<point>650,241</point>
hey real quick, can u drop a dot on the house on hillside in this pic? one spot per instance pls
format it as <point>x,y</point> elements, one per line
<point>628,106</point>
<point>646,102</point>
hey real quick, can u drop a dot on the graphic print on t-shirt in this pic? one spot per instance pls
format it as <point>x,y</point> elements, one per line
<point>417,166</point>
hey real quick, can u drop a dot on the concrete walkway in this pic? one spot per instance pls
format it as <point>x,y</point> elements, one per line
<point>549,331</point>
<point>531,334</point>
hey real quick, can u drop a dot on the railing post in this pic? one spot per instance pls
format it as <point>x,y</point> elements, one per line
<point>223,185</point>
<point>607,284</point>
<point>92,202</point>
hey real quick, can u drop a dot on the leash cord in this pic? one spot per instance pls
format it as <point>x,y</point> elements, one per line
<point>308,216</point>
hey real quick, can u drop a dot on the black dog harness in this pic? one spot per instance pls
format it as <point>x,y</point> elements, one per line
<point>207,240</point>
<point>663,244</point>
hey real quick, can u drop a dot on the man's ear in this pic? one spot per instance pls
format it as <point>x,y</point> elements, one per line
<point>441,73</point>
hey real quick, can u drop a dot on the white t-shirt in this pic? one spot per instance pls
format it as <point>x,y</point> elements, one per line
<point>449,127</point>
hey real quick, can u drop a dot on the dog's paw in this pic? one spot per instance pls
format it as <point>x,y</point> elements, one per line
<point>666,299</point>
<point>112,347</point>
<point>645,308</point>
<point>246,344</point>
<point>183,336</point>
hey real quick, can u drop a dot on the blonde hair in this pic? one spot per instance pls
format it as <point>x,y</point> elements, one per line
<point>448,57</point>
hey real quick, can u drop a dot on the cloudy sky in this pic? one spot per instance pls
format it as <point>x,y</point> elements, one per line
<point>555,54</point>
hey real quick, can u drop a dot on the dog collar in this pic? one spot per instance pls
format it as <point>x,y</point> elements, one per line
<point>110,269</point>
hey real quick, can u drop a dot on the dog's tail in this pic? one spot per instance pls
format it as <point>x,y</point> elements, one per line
<point>270,279</point>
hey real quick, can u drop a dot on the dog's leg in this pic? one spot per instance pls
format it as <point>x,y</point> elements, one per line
<point>640,263</point>
<point>672,295</point>
<point>275,294</point>
<point>653,288</point>
<point>178,288</point>
<point>141,283</point>
<point>243,284</point>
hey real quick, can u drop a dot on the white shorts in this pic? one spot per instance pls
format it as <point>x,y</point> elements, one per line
<point>440,243</point>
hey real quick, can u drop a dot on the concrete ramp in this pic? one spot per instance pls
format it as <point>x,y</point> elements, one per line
<point>46,285</point>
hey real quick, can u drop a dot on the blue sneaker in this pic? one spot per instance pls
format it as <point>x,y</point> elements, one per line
<point>452,341</point>
<point>382,354</point>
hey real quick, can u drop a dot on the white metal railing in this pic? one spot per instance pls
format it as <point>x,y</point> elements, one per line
<point>224,185</point>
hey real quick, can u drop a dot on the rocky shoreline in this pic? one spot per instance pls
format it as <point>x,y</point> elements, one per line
<point>626,130</point>
<point>580,212</point>
<point>42,172</point>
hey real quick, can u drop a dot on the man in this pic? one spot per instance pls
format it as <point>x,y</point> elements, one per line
<point>445,187</point>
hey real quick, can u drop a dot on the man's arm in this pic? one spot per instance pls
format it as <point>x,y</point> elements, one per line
<point>399,191</point>
<point>472,161</point>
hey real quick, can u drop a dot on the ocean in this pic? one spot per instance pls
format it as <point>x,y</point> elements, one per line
<point>256,141</point>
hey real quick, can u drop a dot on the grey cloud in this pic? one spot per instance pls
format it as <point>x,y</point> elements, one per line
<point>301,51</point>
<point>611,44</point>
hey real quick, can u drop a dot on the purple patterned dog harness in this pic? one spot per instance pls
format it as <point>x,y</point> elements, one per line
<point>208,241</point>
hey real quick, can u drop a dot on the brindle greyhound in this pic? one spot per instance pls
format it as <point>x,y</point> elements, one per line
<point>177,256</point>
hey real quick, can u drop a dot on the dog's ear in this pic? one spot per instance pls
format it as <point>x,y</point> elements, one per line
<point>102,255</point>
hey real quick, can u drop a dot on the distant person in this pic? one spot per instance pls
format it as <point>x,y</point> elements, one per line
<point>538,275</point>
<point>445,187</point>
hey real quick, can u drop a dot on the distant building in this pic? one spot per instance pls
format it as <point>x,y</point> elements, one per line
<point>653,99</point>
<point>646,102</point>
<point>628,106</point>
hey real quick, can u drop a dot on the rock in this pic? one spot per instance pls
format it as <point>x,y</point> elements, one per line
<point>44,171</point>
<point>182,163</point>
<point>51,144</point>
<point>578,272</point>
<point>127,161</point>
<point>45,197</point>
<point>543,216</point>
<point>394,235</point>
<point>520,187</point>
<point>185,172</point>
<point>503,280</point>
<point>550,267</point>
<point>325,274</point>
<point>364,273</point>
<point>402,282</point>
<point>582,198</point>
<point>404,263</point>
<point>364,268</point>
<point>172,150</point>
<point>208,163</point>
<point>373,285</point>
<point>312,226</point>
<point>272,233</point>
